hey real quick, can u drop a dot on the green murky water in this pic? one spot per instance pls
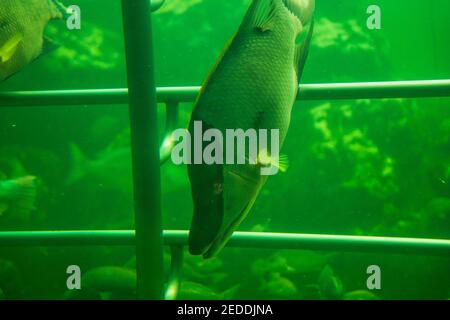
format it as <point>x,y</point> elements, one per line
<point>358,167</point>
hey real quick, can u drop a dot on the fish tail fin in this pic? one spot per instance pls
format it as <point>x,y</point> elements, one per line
<point>79,165</point>
<point>23,192</point>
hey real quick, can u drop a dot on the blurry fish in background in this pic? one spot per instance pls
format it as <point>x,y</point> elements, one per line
<point>114,283</point>
<point>275,286</point>
<point>330,286</point>
<point>106,283</point>
<point>11,282</point>
<point>112,167</point>
<point>360,295</point>
<point>195,291</point>
<point>304,261</point>
<point>22,25</point>
<point>18,195</point>
<point>272,42</point>
<point>292,262</point>
<point>195,269</point>
<point>2,295</point>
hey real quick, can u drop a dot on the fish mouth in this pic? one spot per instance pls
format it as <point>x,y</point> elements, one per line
<point>222,238</point>
<point>202,234</point>
<point>227,229</point>
<point>302,9</point>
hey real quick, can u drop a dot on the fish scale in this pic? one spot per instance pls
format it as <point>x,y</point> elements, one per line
<point>255,80</point>
<point>26,19</point>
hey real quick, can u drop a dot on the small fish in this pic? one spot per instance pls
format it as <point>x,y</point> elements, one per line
<point>18,195</point>
<point>253,85</point>
<point>360,295</point>
<point>292,262</point>
<point>330,286</point>
<point>106,283</point>
<point>278,287</point>
<point>195,291</point>
<point>22,25</point>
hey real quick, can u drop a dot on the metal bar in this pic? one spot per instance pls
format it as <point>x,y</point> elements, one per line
<point>67,238</point>
<point>176,265</point>
<point>261,240</point>
<point>145,148</point>
<point>326,91</point>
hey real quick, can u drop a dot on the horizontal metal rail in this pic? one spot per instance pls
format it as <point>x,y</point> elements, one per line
<point>326,91</point>
<point>262,240</point>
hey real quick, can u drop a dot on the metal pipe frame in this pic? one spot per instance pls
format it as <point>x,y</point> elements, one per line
<point>324,91</point>
<point>261,240</point>
<point>137,24</point>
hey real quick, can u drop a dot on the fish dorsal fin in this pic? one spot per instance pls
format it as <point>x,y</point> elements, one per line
<point>302,50</point>
<point>263,14</point>
<point>303,10</point>
<point>57,9</point>
<point>10,47</point>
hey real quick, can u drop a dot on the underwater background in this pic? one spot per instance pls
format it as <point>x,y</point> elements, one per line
<point>357,167</point>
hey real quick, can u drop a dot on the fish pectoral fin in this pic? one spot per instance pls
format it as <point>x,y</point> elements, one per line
<point>281,162</point>
<point>302,49</point>
<point>9,48</point>
<point>263,14</point>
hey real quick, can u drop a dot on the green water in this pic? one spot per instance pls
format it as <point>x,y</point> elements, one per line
<point>364,167</point>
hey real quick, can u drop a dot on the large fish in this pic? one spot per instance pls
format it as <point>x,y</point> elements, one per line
<point>22,24</point>
<point>253,85</point>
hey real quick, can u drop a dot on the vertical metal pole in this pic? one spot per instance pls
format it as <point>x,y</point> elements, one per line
<point>145,148</point>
